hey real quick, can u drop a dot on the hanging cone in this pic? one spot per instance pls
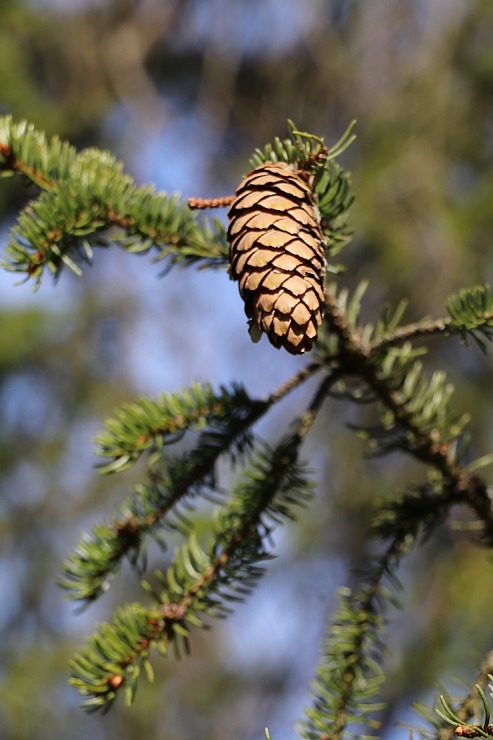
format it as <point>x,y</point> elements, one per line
<point>277,252</point>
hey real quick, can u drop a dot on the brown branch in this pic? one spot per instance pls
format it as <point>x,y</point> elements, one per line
<point>12,164</point>
<point>294,382</point>
<point>172,613</point>
<point>306,421</point>
<point>426,328</point>
<point>226,200</point>
<point>176,612</point>
<point>358,358</point>
<point>422,329</point>
<point>129,530</point>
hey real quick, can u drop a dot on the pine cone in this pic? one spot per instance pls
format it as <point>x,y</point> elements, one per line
<point>277,254</point>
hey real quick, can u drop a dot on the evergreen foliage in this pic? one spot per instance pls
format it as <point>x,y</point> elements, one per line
<point>471,313</point>
<point>200,582</point>
<point>179,479</point>
<point>465,716</point>
<point>149,425</point>
<point>86,200</point>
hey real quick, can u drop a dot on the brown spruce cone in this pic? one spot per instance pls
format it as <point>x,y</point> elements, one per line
<point>277,254</point>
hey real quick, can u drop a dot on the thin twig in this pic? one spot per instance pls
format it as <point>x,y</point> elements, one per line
<point>426,328</point>
<point>222,202</point>
<point>294,382</point>
<point>13,164</point>
<point>307,419</point>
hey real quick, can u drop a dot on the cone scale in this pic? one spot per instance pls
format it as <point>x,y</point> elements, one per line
<point>277,254</point>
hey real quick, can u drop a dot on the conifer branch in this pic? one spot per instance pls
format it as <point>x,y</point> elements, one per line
<point>471,316</point>
<point>415,419</point>
<point>26,151</point>
<point>419,330</point>
<point>227,418</point>
<point>88,201</point>
<point>85,200</point>
<point>293,382</point>
<point>417,511</point>
<point>224,420</point>
<point>200,581</point>
<point>323,391</point>
<point>349,675</point>
<point>414,413</point>
<point>148,425</point>
<point>471,313</point>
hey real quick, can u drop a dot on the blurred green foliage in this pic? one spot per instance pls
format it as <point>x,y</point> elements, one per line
<point>419,79</point>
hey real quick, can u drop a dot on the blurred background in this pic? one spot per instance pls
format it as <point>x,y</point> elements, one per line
<point>183,91</point>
